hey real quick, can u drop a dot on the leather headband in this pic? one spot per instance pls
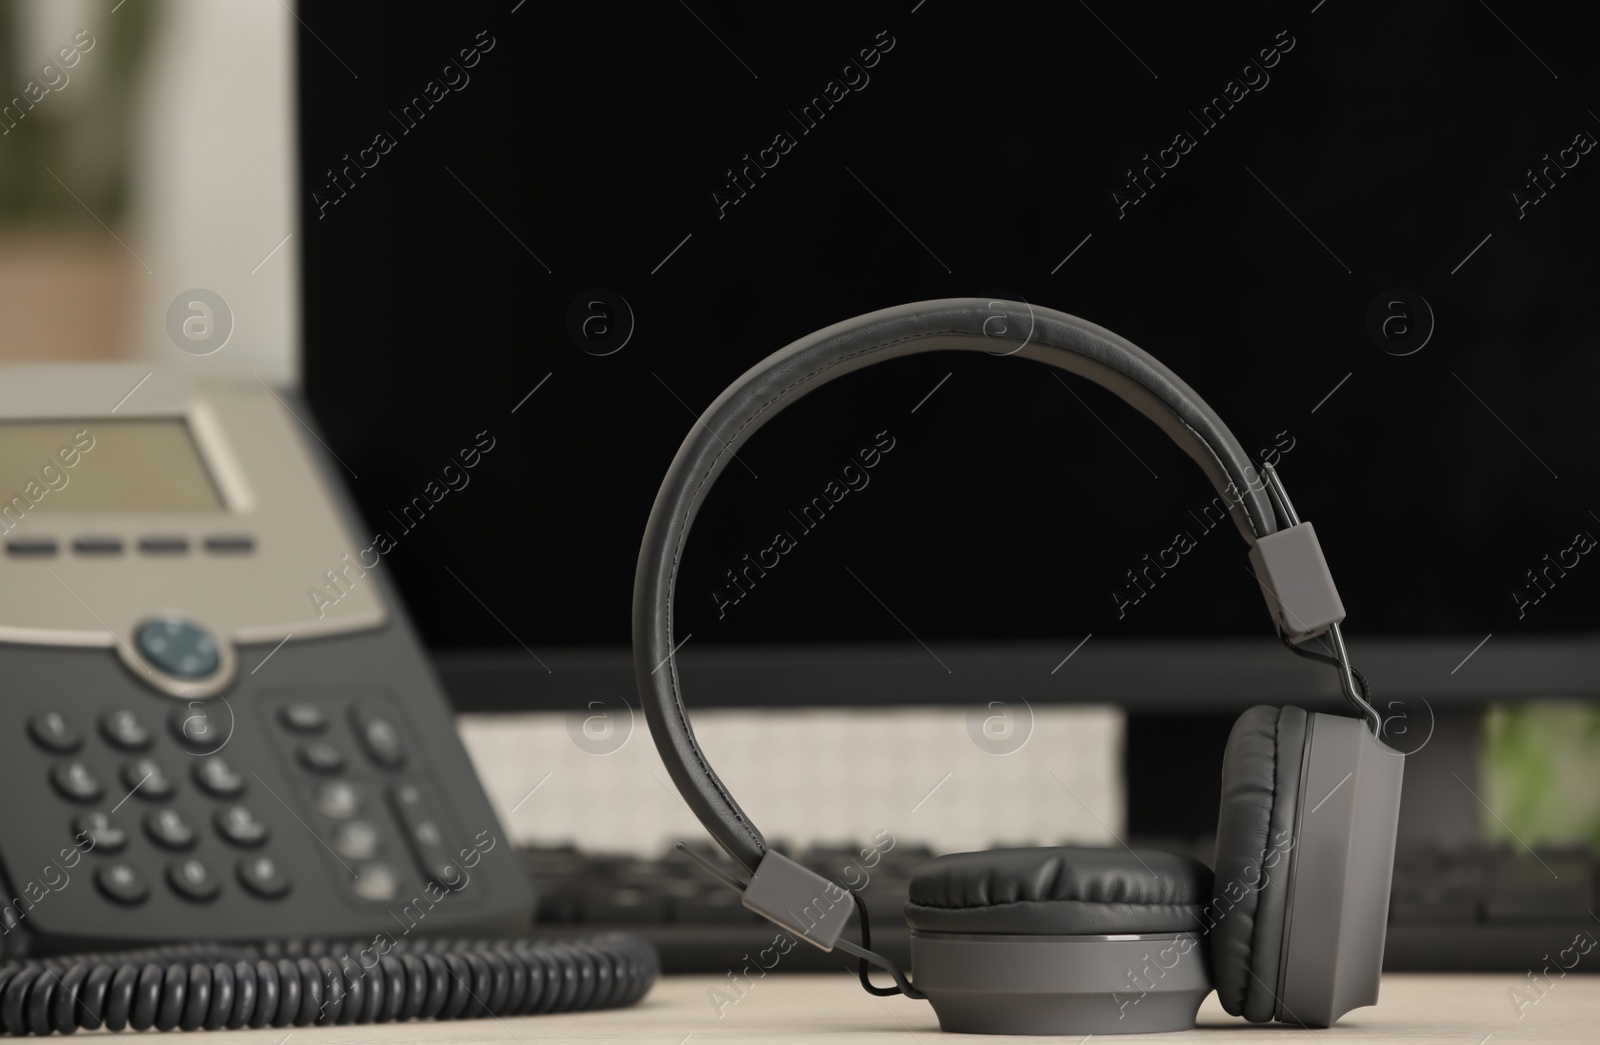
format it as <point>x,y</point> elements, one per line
<point>959,324</point>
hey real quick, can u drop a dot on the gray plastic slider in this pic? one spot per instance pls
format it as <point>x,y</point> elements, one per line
<point>1295,579</point>
<point>800,900</point>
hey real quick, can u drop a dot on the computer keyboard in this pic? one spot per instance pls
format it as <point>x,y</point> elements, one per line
<point>1473,910</point>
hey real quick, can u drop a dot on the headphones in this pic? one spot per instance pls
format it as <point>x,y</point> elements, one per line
<point>1287,925</point>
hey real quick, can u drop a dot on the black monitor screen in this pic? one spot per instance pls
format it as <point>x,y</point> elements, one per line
<point>540,238</point>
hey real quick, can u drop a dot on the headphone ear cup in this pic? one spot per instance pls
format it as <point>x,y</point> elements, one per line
<point>1256,833</point>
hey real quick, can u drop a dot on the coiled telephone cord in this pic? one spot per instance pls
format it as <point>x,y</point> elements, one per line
<point>300,983</point>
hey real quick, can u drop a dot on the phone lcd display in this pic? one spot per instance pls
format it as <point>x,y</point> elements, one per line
<point>102,465</point>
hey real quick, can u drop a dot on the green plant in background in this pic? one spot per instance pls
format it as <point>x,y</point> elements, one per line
<point>1540,767</point>
<point>71,115</point>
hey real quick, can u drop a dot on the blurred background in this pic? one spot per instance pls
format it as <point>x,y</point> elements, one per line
<point>148,149</point>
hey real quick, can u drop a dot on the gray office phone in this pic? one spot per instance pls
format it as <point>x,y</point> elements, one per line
<point>197,749</point>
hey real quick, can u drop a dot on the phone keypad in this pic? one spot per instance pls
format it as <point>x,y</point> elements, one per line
<point>365,792</point>
<point>144,778</point>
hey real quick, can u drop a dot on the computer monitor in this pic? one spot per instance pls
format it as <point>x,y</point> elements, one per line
<point>544,237</point>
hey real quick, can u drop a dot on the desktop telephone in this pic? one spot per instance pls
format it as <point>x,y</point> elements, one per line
<point>199,751</point>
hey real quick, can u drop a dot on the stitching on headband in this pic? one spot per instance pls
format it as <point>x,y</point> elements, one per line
<point>1249,520</point>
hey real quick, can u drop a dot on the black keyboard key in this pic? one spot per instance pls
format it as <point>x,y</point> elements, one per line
<point>97,545</point>
<point>168,829</point>
<point>122,729</point>
<point>711,906</point>
<point>163,545</point>
<point>216,778</point>
<point>624,905</point>
<point>230,544</point>
<point>320,757</point>
<point>558,908</point>
<point>54,732</point>
<point>121,883</point>
<point>32,547</point>
<point>101,832</point>
<point>74,781</point>
<point>380,737</point>
<point>145,778</point>
<point>191,879</point>
<point>1525,889</point>
<point>1434,905</point>
<point>263,876</point>
<point>238,825</point>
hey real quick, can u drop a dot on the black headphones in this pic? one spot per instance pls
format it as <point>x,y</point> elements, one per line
<point>1079,940</point>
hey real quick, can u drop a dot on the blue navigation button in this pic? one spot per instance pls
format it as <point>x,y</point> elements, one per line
<point>179,648</point>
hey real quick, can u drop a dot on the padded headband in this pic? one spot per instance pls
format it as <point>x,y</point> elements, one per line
<point>959,324</point>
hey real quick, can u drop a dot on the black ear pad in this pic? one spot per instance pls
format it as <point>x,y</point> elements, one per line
<point>1255,841</point>
<point>1067,891</point>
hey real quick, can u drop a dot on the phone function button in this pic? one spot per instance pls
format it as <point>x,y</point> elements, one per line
<point>74,781</point>
<point>338,800</point>
<point>425,828</point>
<point>179,647</point>
<point>356,840</point>
<point>97,545</point>
<point>163,545</point>
<point>262,875</point>
<point>230,544</point>
<point>216,778</point>
<point>381,738</point>
<point>103,834</point>
<point>191,879</point>
<point>240,826</point>
<point>121,883</point>
<point>168,829</point>
<point>319,756</point>
<point>302,718</point>
<point>54,732</point>
<point>377,881</point>
<point>32,547</point>
<point>123,729</point>
<point>196,727</point>
<point>144,777</point>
